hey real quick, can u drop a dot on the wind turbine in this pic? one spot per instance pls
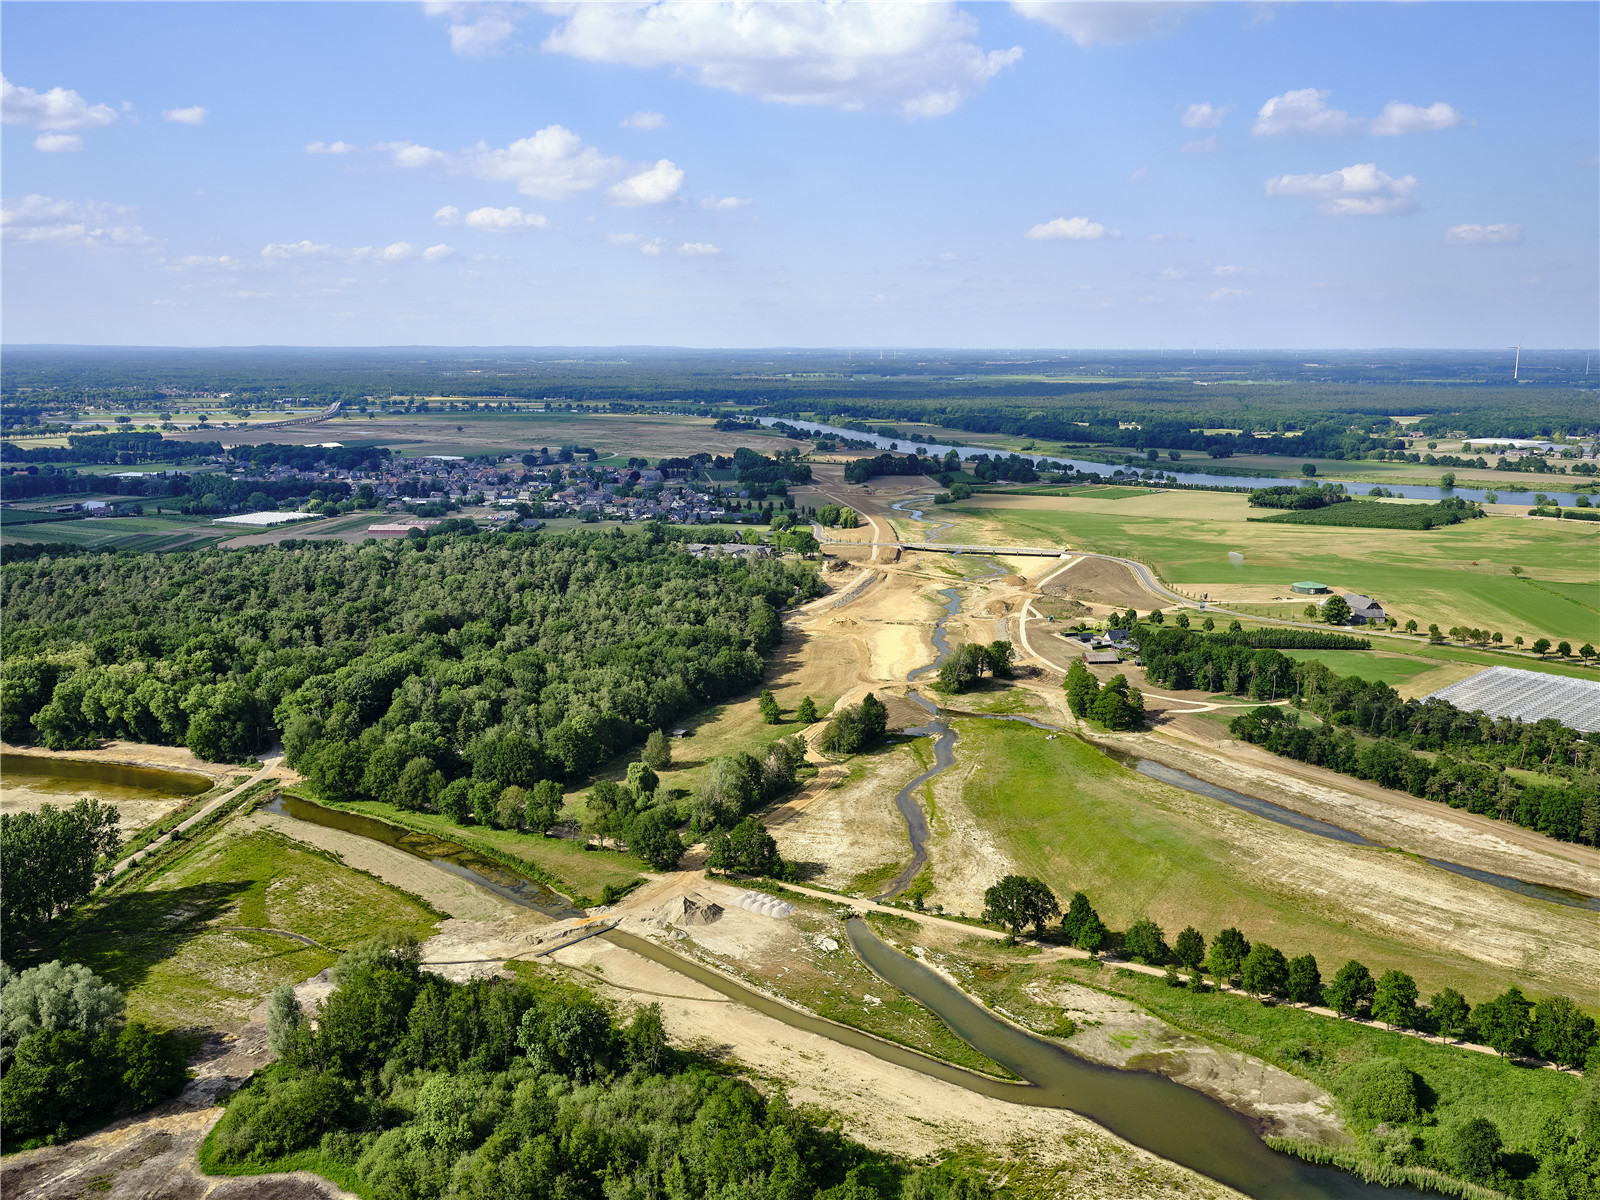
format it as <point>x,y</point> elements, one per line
<point>1517,366</point>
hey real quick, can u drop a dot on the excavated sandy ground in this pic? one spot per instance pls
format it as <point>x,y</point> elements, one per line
<point>965,857</point>
<point>135,814</point>
<point>851,828</point>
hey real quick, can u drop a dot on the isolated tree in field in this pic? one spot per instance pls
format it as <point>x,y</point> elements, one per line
<point>1449,1010</point>
<point>652,837</point>
<point>1119,706</point>
<point>1384,1089</point>
<point>1208,624</point>
<point>1394,1001</point>
<point>748,849</point>
<point>1305,981</point>
<point>1145,943</point>
<point>657,750</point>
<point>1335,611</point>
<point>1189,948</point>
<point>1351,988</point>
<point>859,727</point>
<point>1564,649</point>
<point>1541,647</point>
<point>962,667</point>
<point>1182,620</point>
<point>1082,688</point>
<point>285,1017</point>
<point>1562,1032</point>
<point>48,859</point>
<point>998,658</point>
<point>806,714</point>
<point>1018,901</point>
<point>1265,971</point>
<point>1474,1148</point>
<point>1228,951</point>
<point>768,704</point>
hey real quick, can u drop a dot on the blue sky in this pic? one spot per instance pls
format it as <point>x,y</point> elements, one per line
<point>1042,175</point>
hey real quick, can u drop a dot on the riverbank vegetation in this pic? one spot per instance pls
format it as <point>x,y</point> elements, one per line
<point>410,1085</point>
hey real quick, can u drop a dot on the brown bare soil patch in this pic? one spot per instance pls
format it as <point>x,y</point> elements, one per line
<point>1100,582</point>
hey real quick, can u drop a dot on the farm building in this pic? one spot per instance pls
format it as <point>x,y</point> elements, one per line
<point>1095,658</point>
<point>1364,610</point>
<point>1309,587</point>
<point>1529,696</point>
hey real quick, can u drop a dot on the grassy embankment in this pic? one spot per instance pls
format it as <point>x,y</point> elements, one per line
<point>170,936</point>
<point>1459,575</point>
<point>1070,815</point>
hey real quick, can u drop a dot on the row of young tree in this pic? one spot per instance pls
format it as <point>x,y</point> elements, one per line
<point>1555,1029</point>
<point>1367,730</point>
<point>529,1087</point>
<point>557,650</point>
<point>69,1056</point>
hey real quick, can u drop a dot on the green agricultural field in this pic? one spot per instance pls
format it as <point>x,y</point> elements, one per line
<point>174,941</point>
<point>1071,815</point>
<point>128,533</point>
<point>1367,664</point>
<point>1459,575</point>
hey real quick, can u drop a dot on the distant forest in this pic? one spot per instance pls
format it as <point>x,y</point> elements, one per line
<point>1042,394</point>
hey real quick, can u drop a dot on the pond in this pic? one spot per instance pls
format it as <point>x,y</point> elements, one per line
<point>64,780</point>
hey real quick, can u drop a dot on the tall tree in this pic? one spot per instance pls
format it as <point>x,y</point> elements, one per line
<point>1351,988</point>
<point>1394,1001</point>
<point>1562,1032</point>
<point>1228,951</point>
<point>48,858</point>
<point>1018,901</point>
<point>1305,981</point>
<point>1145,942</point>
<point>1504,1023</point>
<point>1265,971</point>
<point>1190,948</point>
<point>1450,1012</point>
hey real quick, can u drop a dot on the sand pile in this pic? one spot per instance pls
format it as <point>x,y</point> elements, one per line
<point>691,908</point>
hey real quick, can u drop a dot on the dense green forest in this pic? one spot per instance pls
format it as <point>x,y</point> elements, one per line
<point>1368,731</point>
<point>395,667</point>
<point>410,1086</point>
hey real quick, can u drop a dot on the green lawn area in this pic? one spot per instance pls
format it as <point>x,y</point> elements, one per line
<point>129,533</point>
<point>1069,814</point>
<point>1367,664</point>
<point>1459,575</point>
<point>170,939</point>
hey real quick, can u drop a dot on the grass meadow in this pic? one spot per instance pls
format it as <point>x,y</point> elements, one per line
<point>1458,575</point>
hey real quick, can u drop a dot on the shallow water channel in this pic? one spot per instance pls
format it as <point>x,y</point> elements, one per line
<point>1148,1110</point>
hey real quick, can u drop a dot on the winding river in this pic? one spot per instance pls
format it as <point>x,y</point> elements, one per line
<point>1511,488</point>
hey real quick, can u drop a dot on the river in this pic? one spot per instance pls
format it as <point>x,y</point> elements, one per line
<point>1512,487</point>
<point>34,775</point>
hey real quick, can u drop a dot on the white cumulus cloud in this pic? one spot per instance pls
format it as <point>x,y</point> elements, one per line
<point>653,186</point>
<point>39,220</point>
<point>1304,110</point>
<point>1483,235</point>
<point>1077,229</point>
<point>722,203</point>
<point>58,143</point>
<point>698,249</point>
<point>59,110</point>
<point>553,164</point>
<point>1204,115</point>
<point>1229,294</point>
<point>643,120</point>
<point>306,249</point>
<point>921,60</point>
<point>439,253</point>
<point>329,148</point>
<point>510,219</point>
<point>1355,191</point>
<point>1398,118</point>
<point>1108,22</point>
<point>652,247</point>
<point>477,29</point>
<point>193,115</point>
